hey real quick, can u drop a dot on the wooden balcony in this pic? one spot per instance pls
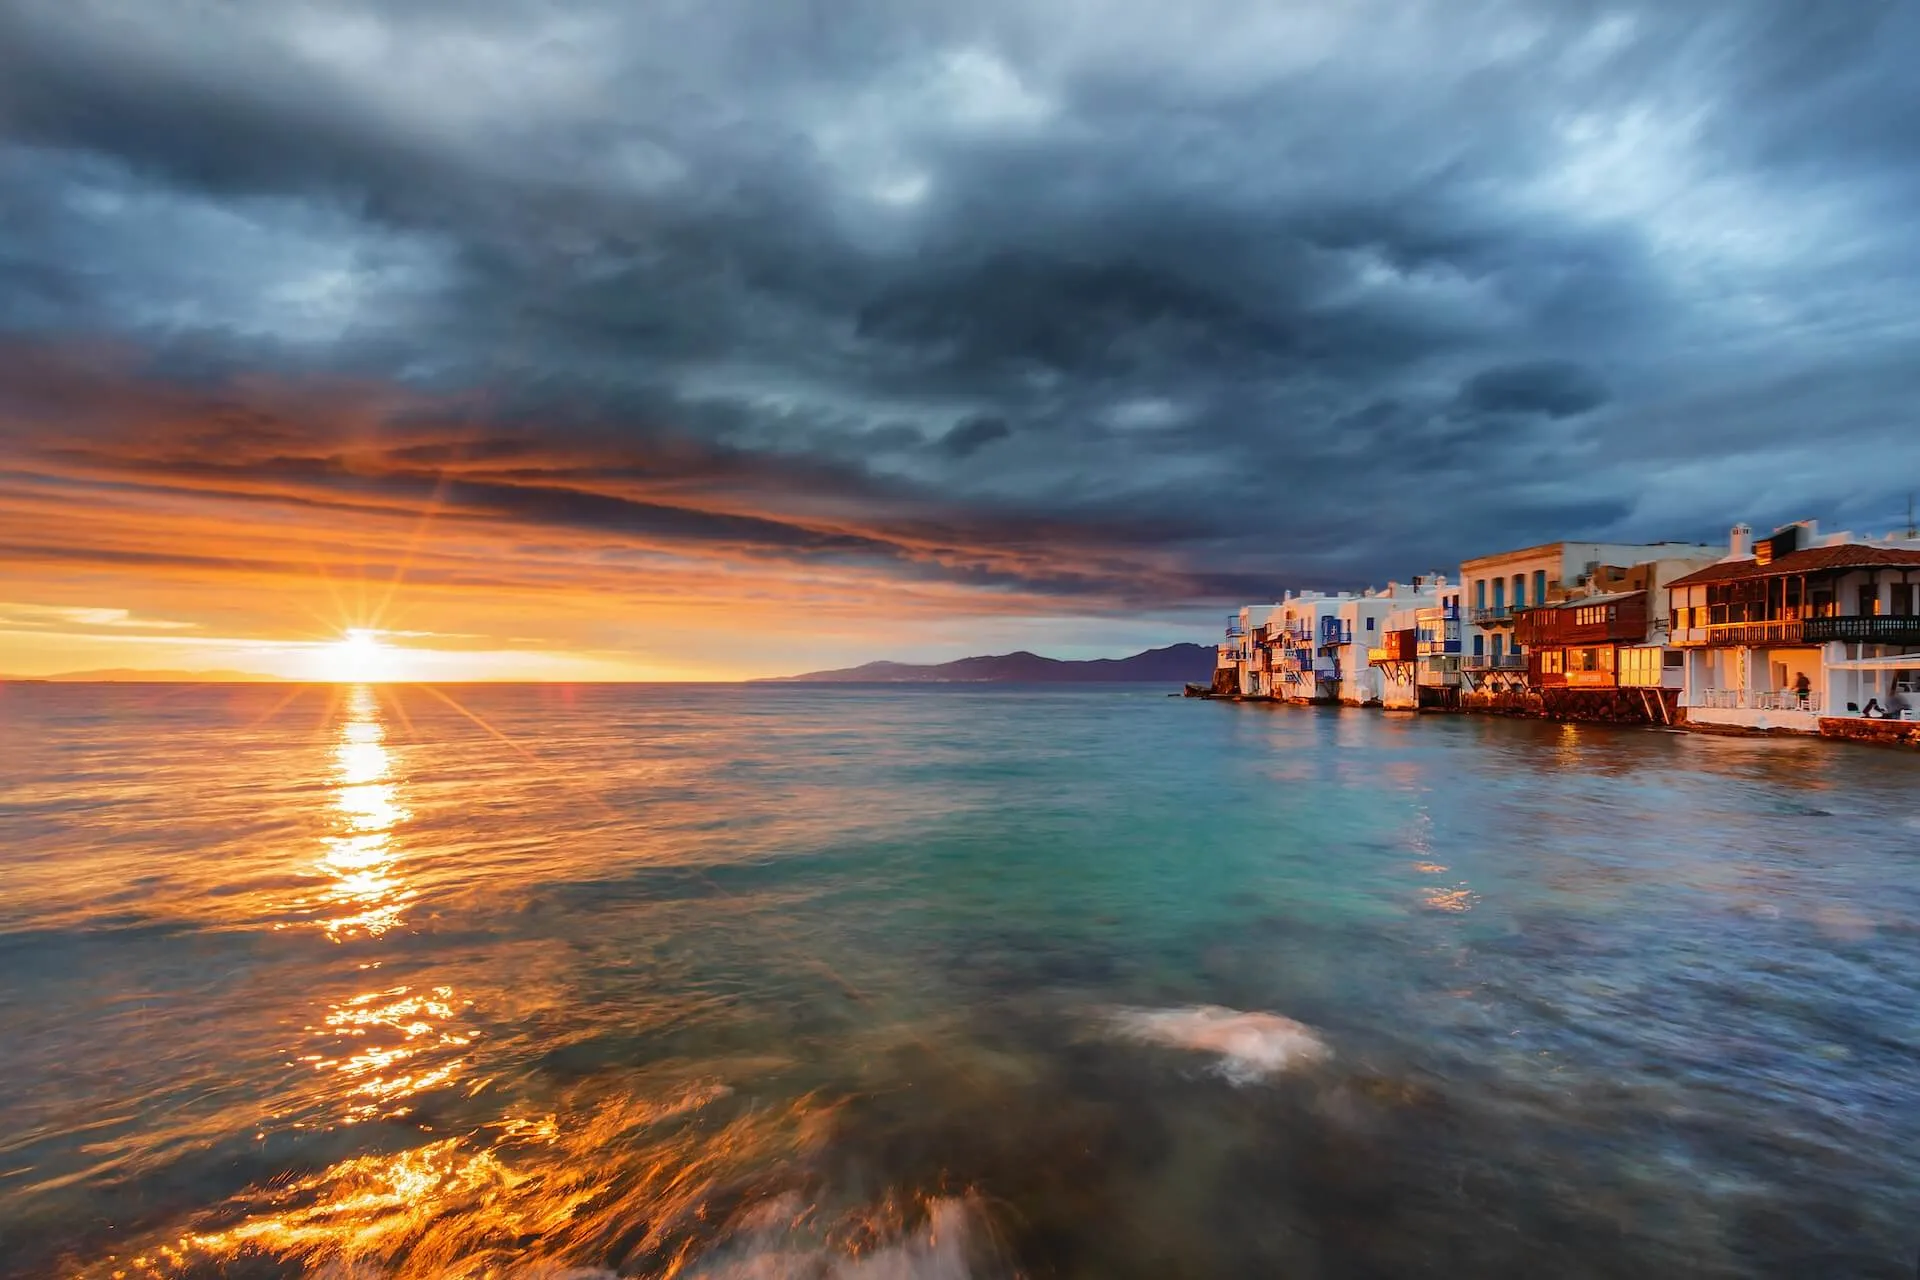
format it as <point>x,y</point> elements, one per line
<point>1780,631</point>
<point>1396,646</point>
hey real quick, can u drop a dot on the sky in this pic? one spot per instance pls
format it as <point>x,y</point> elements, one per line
<point>681,340</point>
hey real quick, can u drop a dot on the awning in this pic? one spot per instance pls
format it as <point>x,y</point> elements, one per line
<point>1878,664</point>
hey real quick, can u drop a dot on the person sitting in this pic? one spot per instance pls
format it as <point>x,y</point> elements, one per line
<point>1802,687</point>
<point>1873,710</point>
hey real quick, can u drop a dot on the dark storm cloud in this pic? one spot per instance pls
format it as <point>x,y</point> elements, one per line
<point>1556,388</point>
<point>1286,294</point>
<point>974,434</point>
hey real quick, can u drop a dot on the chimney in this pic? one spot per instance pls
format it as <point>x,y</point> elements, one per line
<point>1740,543</point>
<point>1810,533</point>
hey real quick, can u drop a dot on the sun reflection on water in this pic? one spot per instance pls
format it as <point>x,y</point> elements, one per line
<point>365,897</point>
<point>387,1047</point>
<point>656,1178</point>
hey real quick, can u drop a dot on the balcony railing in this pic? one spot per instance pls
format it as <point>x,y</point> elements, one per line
<point>1497,613</point>
<point>1330,641</point>
<point>1494,662</point>
<point>1865,629</point>
<point>1757,700</point>
<point>1779,631</point>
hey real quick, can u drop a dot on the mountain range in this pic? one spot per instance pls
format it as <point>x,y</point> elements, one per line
<point>1174,664</point>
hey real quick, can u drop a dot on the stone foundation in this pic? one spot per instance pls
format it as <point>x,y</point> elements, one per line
<point>1503,703</point>
<point>1886,733</point>
<point>1611,706</point>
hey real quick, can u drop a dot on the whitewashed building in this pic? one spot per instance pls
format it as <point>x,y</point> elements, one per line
<point>1242,667</point>
<point>1304,638</point>
<point>1396,660</point>
<point>1363,623</point>
<point>1438,636</point>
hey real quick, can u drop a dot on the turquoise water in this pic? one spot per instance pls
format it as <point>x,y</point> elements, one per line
<point>945,982</point>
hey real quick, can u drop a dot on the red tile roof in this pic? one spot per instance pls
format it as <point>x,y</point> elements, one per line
<point>1851,555</point>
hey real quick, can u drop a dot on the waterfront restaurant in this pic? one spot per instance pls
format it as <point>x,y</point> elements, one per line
<point>1799,627</point>
<point>1601,654</point>
<point>1588,659</point>
<point>1499,588</point>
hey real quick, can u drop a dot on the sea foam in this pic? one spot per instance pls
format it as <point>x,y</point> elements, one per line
<point>938,1250</point>
<point>1250,1046</point>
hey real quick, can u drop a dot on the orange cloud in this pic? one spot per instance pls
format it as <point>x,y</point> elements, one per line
<point>287,510</point>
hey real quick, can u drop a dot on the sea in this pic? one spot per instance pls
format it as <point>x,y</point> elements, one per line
<point>884,983</point>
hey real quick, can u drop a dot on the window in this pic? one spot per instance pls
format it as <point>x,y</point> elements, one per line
<point>1539,586</point>
<point>1869,601</point>
<point>1640,667</point>
<point>1903,593</point>
<point>1519,590</point>
<point>1594,659</point>
<point>1498,639</point>
<point>1370,622</point>
<point>1499,595</point>
<point>1480,594</point>
<point>1479,645</point>
<point>1553,662</point>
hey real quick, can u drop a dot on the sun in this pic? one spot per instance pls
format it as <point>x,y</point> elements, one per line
<point>358,657</point>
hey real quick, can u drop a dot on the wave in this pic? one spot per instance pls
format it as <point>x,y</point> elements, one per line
<point>1251,1046</point>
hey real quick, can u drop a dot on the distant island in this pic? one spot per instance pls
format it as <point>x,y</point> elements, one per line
<point>136,675</point>
<point>1175,664</point>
